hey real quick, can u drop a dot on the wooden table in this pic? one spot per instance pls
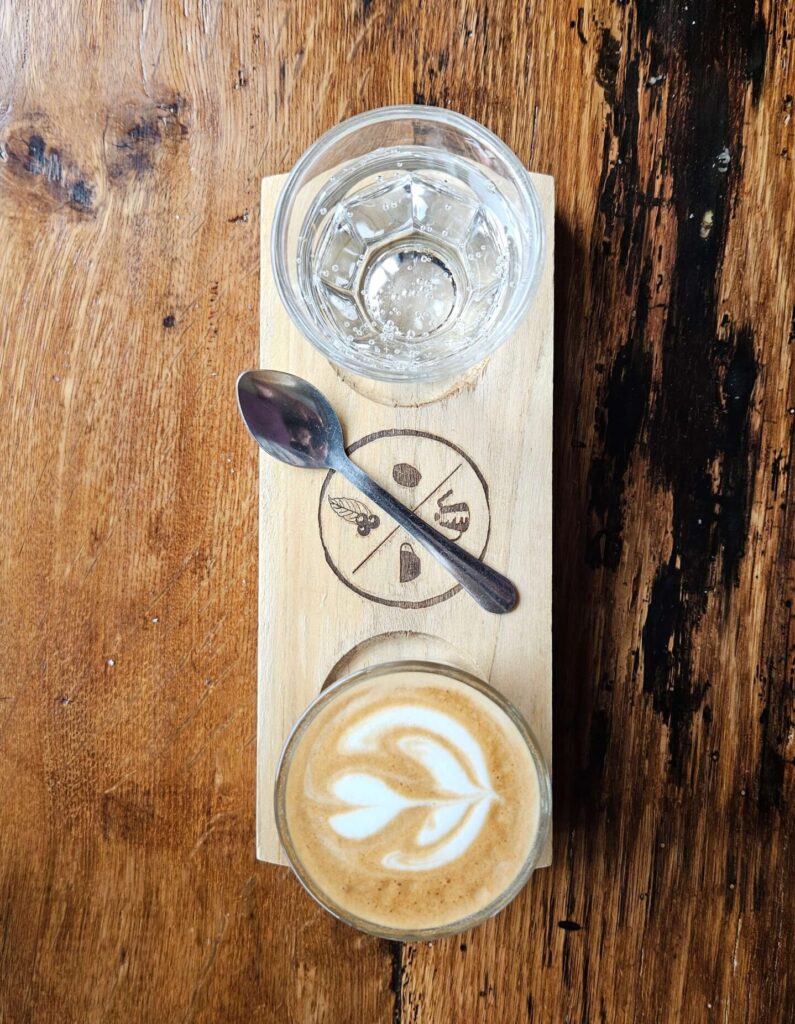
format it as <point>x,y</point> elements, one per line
<point>133,137</point>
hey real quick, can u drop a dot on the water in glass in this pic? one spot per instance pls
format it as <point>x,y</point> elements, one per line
<point>409,253</point>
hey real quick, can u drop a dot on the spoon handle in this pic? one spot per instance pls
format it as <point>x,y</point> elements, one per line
<point>489,588</point>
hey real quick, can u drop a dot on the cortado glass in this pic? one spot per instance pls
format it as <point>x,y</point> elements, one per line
<point>412,800</point>
<point>407,243</point>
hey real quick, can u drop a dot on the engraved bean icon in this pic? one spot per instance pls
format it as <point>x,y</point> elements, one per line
<point>405,474</point>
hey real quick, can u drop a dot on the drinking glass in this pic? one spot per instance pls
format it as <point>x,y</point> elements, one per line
<point>407,243</point>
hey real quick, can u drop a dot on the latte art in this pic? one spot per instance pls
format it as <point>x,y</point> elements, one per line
<point>411,800</point>
<point>454,815</point>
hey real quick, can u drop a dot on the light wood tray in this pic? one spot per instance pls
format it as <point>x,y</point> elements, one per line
<point>476,453</point>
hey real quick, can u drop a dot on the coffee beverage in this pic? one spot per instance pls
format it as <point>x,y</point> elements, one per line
<point>410,799</point>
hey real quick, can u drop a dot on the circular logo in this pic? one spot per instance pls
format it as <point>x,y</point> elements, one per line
<point>373,556</point>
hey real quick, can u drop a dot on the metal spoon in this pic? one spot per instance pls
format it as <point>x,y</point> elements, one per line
<point>293,422</point>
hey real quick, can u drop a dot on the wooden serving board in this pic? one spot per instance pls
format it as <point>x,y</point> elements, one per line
<point>340,587</point>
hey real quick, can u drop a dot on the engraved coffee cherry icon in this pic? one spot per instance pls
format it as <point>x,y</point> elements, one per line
<point>365,523</point>
<point>355,512</point>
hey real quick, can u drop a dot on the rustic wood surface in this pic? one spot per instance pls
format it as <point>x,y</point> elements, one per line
<point>133,137</point>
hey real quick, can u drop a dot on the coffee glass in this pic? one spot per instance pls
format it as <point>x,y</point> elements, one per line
<point>412,800</point>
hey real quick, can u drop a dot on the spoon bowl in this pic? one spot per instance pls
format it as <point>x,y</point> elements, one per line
<point>289,418</point>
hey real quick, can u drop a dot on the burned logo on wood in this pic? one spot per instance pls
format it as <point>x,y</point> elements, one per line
<point>354,511</point>
<point>405,474</point>
<point>452,515</point>
<point>439,483</point>
<point>410,565</point>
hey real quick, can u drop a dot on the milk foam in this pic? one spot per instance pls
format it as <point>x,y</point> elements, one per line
<point>411,800</point>
<point>366,735</point>
<point>456,815</point>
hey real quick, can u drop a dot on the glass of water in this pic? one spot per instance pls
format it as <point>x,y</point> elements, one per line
<point>407,243</point>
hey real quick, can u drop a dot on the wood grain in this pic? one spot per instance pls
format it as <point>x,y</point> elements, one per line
<point>311,618</point>
<point>133,138</point>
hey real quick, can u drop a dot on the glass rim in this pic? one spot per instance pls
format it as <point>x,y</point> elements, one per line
<point>545,801</point>
<point>520,175</point>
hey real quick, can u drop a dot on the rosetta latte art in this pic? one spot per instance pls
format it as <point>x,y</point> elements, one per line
<point>455,815</point>
<point>411,799</point>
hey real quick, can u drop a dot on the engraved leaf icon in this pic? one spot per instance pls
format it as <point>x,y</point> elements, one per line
<point>349,508</point>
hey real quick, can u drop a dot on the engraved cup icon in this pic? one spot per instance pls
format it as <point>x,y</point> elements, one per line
<point>410,566</point>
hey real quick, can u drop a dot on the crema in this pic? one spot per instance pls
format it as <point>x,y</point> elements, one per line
<point>412,801</point>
